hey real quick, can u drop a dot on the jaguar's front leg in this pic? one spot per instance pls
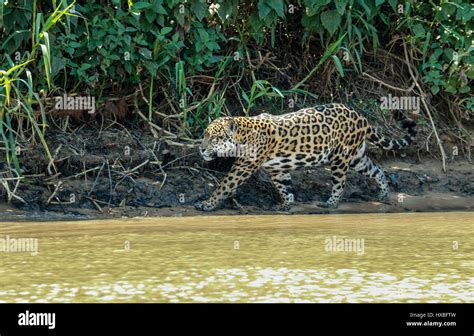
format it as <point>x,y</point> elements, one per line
<point>240,171</point>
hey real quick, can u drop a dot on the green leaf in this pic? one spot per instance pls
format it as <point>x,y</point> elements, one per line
<point>85,66</point>
<point>263,9</point>
<point>435,89</point>
<point>145,53</point>
<point>278,92</point>
<point>160,10</point>
<point>278,6</point>
<point>203,35</point>
<point>200,10</point>
<point>331,20</point>
<point>313,7</point>
<point>366,8</point>
<point>161,20</point>
<point>212,45</point>
<point>46,50</point>
<point>150,16</point>
<point>338,65</point>
<point>225,10</point>
<point>57,64</point>
<point>470,74</point>
<point>74,45</point>
<point>141,5</point>
<point>393,4</point>
<point>418,30</point>
<point>341,6</point>
<point>158,7</point>
<point>1,14</point>
<point>151,67</point>
<point>199,46</point>
<point>449,53</point>
<point>165,30</point>
<point>467,12</point>
<point>450,89</point>
<point>246,98</point>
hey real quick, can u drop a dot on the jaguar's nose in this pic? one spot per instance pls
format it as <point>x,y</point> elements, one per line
<point>207,155</point>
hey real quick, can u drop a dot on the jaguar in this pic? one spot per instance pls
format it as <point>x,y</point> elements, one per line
<point>333,134</point>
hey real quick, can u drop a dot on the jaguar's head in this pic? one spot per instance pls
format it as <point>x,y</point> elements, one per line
<point>219,139</point>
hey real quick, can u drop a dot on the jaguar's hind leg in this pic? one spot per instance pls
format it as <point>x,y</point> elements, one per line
<point>364,165</point>
<point>282,182</point>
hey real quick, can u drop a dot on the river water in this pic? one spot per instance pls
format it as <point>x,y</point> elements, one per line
<point>412,257</point>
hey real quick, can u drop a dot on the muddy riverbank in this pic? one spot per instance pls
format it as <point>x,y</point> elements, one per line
<point>119,173</point>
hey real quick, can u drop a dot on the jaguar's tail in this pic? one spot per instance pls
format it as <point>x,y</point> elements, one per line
<point>377,139</point>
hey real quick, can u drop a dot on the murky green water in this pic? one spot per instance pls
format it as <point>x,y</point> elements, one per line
<point>318,258</point>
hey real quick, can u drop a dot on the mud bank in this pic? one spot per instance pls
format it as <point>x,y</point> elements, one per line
<point>120,173</point>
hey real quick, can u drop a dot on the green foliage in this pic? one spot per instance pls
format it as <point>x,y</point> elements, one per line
<point>17,94</point>
<point>112,47</point>
<point>444,31</point>
<point>357,19</point>
<point>102,44</point>
<point>260,88</point>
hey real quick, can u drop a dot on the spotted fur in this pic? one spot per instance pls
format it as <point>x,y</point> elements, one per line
<point>333,134</point>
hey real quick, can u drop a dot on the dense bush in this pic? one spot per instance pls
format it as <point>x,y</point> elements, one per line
<point>108,41</point>
<point>110,44</point>
<point>445,34</point>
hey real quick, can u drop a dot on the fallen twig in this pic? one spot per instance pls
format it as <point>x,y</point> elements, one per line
<point>11,194</point>
<point>137,167</point>
<point>388,85</point>
<point>97,178</point>
<point>56,189</point>
<point>82,173</point>
<point>93,201</point>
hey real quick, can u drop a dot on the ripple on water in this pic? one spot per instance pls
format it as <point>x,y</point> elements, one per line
<point>403,262</point>
<point>261,285</point>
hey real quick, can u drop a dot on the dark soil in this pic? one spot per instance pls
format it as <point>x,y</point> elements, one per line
<point>131,173</point>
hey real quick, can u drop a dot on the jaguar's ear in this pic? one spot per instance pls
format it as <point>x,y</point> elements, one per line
<point>231,126</point>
